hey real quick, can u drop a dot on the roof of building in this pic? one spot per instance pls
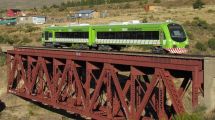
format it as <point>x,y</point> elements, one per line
<point>33,16</point>
<point>85,11</point>
<point>15,10</point>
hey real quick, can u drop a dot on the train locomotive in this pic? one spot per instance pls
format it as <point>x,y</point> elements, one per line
<point>164,37</point>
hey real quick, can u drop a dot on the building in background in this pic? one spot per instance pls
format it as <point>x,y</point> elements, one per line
<point>31,20</point>
<point>13,12</point>
<point>8,21</point>
<point>86,14</point>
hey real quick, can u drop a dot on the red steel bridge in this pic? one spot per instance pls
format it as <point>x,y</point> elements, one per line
<point>111,85</point>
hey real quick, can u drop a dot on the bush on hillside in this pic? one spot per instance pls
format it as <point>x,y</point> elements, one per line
<point>197,114</point>
<point>2,39</point>
<point>157,1</point>
<point>126,6</point>
<point>62,8</point>
<point>2,59</point>
<point>198,4</point>
<point>211,43</point>
<point>144,20</point>
<point>200,23</point>
<point>200,46</point>
<point>30,28</point>
<point>145,1</point>
<point>45,7</point>
<point>190,35</point>
<point>54,6</point>
<point>25,40</point>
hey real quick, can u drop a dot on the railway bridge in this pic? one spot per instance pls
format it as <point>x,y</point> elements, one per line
<point>112,85</point>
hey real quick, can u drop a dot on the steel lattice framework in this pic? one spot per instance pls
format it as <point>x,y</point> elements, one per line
<point>103,85</point>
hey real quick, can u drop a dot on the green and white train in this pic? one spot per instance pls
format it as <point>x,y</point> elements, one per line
<point>167,36</point>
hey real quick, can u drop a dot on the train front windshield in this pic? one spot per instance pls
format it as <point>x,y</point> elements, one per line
<point>177,32</point>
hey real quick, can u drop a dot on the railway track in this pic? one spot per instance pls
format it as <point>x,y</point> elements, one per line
<point>181,56</point>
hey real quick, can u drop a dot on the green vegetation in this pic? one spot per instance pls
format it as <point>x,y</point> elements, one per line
<point>211,43</point>
<point>142,2</point>
<point>91,3</point>
<point>127,6</point>
<point>198,4</point>
<point>190,35</point>
<point>157,1</point>
<point>2,59</point>
<point>200,46</point>
<point>198,114</point>
<point>144,20</point>
<point>198,22</point>
<point>19,34</point>
<point>211,11</point>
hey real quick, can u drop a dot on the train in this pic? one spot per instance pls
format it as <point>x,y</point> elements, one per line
<point>164,37</point>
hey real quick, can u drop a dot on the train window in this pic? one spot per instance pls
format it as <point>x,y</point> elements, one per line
<point>46,35</point>
<point>141,35</point>
<point>71,34</point>
<point>177,33</point>
<point>50,35</point>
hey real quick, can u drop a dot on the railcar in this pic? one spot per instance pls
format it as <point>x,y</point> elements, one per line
<point>164,37</point>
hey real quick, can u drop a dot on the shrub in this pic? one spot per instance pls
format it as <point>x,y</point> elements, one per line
<point>62,8</point>
<point>200,23</point>
<point>197,114</point>
<point>30,28</point>
<point>2,39</point>
<point>2,59</point>
<point>144,20</point>
<point>198,4</point>
<point>211,11</point>
<point>200,46</point>
<point>157,1</point>
<point>54,6</point>
<point>127,6</point>
<point>190,35</point>
<point>211,43</point>
<point>25,40</point>
<point>145,1</point>
<point>45,7</point>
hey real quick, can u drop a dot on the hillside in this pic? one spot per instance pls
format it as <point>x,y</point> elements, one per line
<point>25,4</point>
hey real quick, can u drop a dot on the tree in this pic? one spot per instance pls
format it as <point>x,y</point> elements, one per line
<point>198,4</point>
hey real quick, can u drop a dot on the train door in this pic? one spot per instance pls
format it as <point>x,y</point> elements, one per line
<point>162,39</point>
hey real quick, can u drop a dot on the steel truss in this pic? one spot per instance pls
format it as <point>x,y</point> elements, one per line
<point>105,86</point>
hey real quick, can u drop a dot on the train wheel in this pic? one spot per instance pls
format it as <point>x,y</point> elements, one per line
<point>159,50</point>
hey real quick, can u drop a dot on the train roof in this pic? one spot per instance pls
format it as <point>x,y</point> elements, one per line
<point>85,27</point>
